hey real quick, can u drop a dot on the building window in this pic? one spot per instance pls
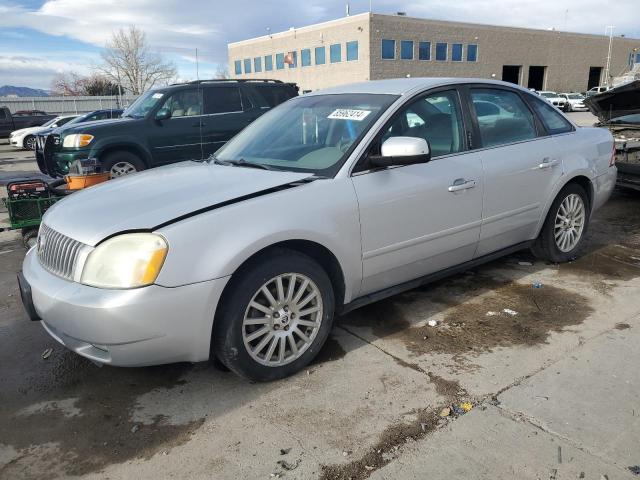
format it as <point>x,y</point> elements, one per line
<point>456,52</point>
<point>335,53</point>
<point>305,57</point>
<point>294,59</point>
<point>441,52</point>
<point>320,56</point>
<point>472,52</point>
<point>637,57</point>
<point>247,65</point>
<point>406,50</point>
<point>238,65</point>
<point>257,64</point>
<point>279,61</point>
<point>388,49</point>
<point>268,62</point>
<point>352,51</point>
<point>424,50</point>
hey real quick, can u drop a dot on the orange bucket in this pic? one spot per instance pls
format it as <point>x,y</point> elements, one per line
<point>78,182</point>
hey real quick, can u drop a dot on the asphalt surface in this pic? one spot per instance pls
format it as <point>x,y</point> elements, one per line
<point>554,388</point>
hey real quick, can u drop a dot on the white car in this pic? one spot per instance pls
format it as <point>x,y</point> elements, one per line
<point>554,99</point>
<point>25,138</point>
<point>597,90</point>
<point>575,102</point>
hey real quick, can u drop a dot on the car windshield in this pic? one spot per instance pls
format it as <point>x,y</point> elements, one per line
<point>51,122</point>
<point>307,134</point>
<point>143,104</point>
<point>548,94</point>
<point>628,119</point>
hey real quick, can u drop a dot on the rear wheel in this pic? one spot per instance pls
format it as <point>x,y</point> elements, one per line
<point>29,142</point>
<point>275,318</point>
<point>121,163</point>
<point>565,226</point>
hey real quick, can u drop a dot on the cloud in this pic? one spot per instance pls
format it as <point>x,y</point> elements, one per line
<point>36,71</point>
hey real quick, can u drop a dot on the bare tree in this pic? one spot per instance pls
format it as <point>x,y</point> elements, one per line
<point>222,72</point>
<point>74,84</point>
<point>128,60</point>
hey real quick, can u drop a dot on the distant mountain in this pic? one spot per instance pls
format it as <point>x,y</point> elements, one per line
<point>22,91</point>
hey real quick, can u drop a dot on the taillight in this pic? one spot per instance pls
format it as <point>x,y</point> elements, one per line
<point>612,161</point>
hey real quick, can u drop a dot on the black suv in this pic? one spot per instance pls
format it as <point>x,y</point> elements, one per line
<point>187,121</point>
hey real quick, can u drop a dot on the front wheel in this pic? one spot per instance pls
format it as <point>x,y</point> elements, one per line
<point>29,142</point>
<point>275,318</point>
<point>121,163</point>
<point>564,229</point>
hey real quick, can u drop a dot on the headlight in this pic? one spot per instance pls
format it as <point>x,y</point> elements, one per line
<point>127,261</point>
<point>77,140</point>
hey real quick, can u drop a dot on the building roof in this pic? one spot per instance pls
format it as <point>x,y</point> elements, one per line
<point>404,86</point>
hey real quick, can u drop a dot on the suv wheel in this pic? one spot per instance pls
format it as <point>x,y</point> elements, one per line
<point>565,226</point>
<point>276,317</point>
<point>29,142</point>
<point>121,163</point>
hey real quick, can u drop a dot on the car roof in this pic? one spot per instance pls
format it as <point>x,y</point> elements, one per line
<point>404,86</point>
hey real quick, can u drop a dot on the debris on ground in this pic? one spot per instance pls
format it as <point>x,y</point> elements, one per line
<point>559,454</point>
<point>635,469</point>
<point>536,284</point>
<point>47,353</point>
<point>492,313</point>
<point>284,451</point>
<point>445,412</point>
<point>287,465</point>
<point>135,428</point>
<point>525,264</point>
<point>553,474</point>
<point>457,410</point>
<point>466,406</point>
<point>432,323</point>
<point>508,311</point>
<point>345,453</point>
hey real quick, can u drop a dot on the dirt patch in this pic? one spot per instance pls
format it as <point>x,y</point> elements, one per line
<point>613,262</point>
<point>622,326</point>
<point>330,352</point>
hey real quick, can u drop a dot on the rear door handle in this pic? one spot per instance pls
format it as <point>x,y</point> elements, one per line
<point>461,184</point>
<point>547,163</point>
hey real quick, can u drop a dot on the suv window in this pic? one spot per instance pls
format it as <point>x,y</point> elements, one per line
<point>502,117</point>
<point>436,118</point>
<point>553,120</point>
<point>222,99</point>
<point>272,95</point>
<point>185,103</point>
<point>3,113</point>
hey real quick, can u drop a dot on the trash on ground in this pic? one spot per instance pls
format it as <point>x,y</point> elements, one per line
<point>284,451</point>
<point>288,466</point>
<point>536,284</point>
<point>466,406</point>
<point>457,410</point>
<point>432,323</point>
<point>492,314</point>
<point>47,353</point>
<point>369,467</point>
<point>525,264</point>
<point>135,428</point>
<point>635,469</point>
<point>508,311</point>
<point>445,412</point>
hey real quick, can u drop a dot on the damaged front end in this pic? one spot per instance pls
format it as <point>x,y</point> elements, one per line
<point>619,110</point>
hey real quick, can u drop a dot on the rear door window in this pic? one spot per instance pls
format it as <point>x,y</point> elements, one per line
<point>3,114</point>
<point>552,120</point>
<point>222,99</point>
<point>502,117</point>
<point>273,95</point>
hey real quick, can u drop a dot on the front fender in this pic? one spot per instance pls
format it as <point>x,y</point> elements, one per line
<point>216,243</point>
<point>121,141</point>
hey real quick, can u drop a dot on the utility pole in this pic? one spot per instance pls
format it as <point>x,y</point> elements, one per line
<point>607,71</point>
<point>347,9</point>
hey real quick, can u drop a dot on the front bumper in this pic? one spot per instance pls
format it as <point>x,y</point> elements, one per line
<point>145,326</point>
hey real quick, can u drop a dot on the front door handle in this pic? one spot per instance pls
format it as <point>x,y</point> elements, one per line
<point>547,163</point>
<point>461,184</point>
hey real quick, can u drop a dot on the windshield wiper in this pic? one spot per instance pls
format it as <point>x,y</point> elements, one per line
<point>241,163</point>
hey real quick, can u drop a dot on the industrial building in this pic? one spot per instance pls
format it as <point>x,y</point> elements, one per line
<point>372,46</point>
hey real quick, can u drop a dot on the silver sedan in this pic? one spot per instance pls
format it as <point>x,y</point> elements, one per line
<point>328,202</point>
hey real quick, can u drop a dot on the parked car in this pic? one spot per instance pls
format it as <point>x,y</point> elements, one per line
<point>597,90</point>
<point>618,110</point>
<point>554,99</point>
<point>22,113</point>
<point>328,202</point>
<point>574,102</point>
<point>96,115</point>
<point>25,138</point>
<point>10,122</point>
<point>181,122</point>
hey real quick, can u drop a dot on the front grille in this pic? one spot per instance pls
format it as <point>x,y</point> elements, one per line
<point>57,252</point>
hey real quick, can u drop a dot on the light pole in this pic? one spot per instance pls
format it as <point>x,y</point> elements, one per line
<point>609,29</point>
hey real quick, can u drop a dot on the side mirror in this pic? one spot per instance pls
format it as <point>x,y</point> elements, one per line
<point>402,151</point>
<point>163,114</point>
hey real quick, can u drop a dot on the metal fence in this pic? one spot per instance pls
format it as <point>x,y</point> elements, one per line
<point>59,105</point>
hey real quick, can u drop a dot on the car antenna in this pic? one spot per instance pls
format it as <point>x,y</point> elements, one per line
<point>201,100</point>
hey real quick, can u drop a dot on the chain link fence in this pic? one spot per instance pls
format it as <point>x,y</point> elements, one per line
<point>60,105</point>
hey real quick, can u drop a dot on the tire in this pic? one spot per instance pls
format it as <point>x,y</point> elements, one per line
<point>568,244</point>
<point>232,341</point>
<point>29,142</point>
<point>121,163</point>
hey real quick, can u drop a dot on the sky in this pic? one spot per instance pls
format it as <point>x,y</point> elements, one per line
<point>39,39</point>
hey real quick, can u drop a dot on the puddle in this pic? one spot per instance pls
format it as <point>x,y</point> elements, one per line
<point>613,262</point>
<point>468,328</point>
<point>330,351</point>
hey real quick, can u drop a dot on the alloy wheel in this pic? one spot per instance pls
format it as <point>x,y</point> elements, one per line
<point>282,319</point>
<point>30,143</point>
<point>569,223</point>
<point>122,168</point>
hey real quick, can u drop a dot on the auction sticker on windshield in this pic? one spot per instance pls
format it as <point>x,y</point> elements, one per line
<point>349,114</point>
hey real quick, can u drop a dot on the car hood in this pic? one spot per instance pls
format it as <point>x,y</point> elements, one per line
<point>617,102</point>
<point>146,200</point>
<point>97,125</point>
<point>24,131</point>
